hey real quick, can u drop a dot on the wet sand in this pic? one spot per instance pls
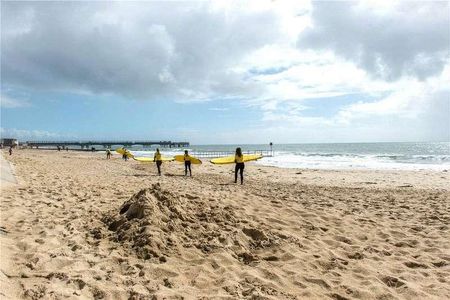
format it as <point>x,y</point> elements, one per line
<point>79,226</point>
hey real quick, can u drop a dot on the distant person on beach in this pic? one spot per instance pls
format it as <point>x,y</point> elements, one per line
<point>239,160</point>
<point>10,150</point>
<point>158,160</point>
<point>108,153</point>
<point>124,155</point>
<point>187,163</point>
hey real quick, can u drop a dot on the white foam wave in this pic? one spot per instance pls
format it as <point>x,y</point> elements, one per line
<point>308,161</point>
<point>304,160</point>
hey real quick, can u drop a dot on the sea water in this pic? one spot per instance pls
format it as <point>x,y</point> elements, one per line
<point>393,156</point>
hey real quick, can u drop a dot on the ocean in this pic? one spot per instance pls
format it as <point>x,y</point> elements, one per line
<point>380,156</point>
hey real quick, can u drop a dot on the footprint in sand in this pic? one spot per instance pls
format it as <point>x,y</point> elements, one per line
<point>355,255</point>
<point>23,246</point>
<point>37,293</point>
<point>40,241</point>
<point>79,284</point>
<point>58,275</point>
<point>319,282</point>
<point>392,282</point>
<point>338,297</point>
<point>414,265</point>
<point>343,239</point>
<point>440,264</point>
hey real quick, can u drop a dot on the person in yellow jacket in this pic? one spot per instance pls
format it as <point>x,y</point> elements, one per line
<point>239,160</point>
<point>187,163</point>
<point>158,160</point>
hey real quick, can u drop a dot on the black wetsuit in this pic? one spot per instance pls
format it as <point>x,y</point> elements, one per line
<point>187,165</point>
<point>239,167</point>
<point>158,165</point>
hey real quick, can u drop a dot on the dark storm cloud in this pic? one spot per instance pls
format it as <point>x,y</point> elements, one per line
<point>410,39</point>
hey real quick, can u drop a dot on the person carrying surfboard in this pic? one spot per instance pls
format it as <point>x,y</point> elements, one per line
<point>239,160</point>
<point>157,158</point>
<point>124,155</point>
<point>187,163</point>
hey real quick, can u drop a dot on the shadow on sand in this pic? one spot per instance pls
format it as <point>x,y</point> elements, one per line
<point>142,175</point>
<point>175,175</point>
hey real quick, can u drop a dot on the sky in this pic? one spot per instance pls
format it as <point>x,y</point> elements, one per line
<point>219,72</point>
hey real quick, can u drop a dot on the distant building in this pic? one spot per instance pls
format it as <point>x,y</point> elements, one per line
<point>9,142</point>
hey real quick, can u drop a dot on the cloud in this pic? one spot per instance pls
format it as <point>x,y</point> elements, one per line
<point>411,110</point>
<point>26,135</point>
<point>309,77</point>
<point>201,51</point>
<point>151,51</point>
<point>402,39</point>
<point>411,99</point>
<point>8,102</point>
<point>276,57</point>
<point>421,109</point>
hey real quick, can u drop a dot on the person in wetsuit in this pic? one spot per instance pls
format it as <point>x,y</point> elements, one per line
<point>239,160</point>
<point>158,160</point>
<point>124,155</point>
<point>187,163</point>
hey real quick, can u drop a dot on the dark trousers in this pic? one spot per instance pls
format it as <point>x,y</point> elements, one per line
<point>158,165</point>
<point>187,165</point>
<point>239,167</point>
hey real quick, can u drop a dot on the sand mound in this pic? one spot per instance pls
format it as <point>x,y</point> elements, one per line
<point>158,223</point>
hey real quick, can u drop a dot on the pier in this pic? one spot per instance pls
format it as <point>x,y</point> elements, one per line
<point>91,145</point>
<point>105,144</point>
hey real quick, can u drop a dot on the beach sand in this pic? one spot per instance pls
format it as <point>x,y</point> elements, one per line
<point>79,226</point>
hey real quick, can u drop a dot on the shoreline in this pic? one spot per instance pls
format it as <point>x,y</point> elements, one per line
<point>284,234</point>
<point>372,178</point>
<point>321,161</point>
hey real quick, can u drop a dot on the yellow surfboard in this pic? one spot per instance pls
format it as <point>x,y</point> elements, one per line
<point>150,159</point>
<point>194,160</point>
<point>121,151</point>
<point>230,159</point>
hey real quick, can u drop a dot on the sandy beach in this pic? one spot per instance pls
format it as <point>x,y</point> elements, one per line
<point>78,226</point>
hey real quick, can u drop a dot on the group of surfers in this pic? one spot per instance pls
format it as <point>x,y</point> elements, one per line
<point>157,158</point>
